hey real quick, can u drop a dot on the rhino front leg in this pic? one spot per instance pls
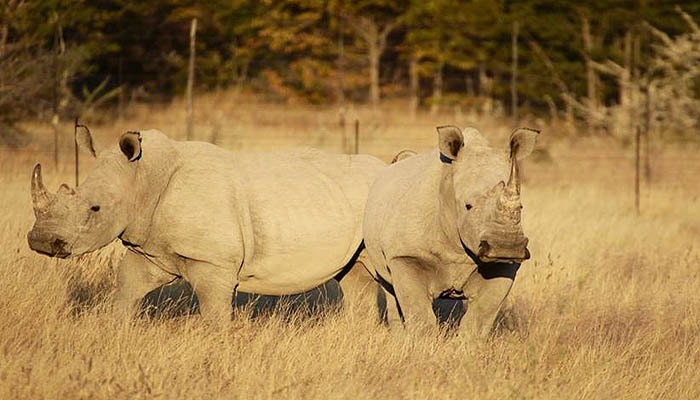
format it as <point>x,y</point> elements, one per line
<point>136,276</point>
<point>214,286</point>
<point>411,292</point>
<point>487,288</point>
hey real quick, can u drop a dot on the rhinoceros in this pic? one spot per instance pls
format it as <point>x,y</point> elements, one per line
<point>272,223</point>
<point>444,224</point>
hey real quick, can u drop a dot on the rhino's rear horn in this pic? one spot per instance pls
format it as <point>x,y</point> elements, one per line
<point>40,196</point>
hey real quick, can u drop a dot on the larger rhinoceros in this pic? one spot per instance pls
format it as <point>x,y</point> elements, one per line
<point>271,223</point>
<point>444,224</point>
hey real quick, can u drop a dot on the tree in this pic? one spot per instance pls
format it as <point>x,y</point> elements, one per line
<point>372,22</point>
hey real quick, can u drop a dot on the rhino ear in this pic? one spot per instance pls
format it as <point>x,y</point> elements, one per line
<point>450,140</point>
<point>130,144</point>
<point>522,142</point>
<point>84,139</point>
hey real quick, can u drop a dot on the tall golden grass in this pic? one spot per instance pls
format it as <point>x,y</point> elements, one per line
<point>608,307</point>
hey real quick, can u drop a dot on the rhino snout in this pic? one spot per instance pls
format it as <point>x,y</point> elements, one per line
<point>48,244</point>
<point>513,251</point>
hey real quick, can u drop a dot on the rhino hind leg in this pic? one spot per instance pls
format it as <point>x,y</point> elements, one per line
<point>388,308</point>
<point>487,289</point>
<point>214,286</point>
<point>415,304</point>
<point>136,276</point>
<point>358,284</point>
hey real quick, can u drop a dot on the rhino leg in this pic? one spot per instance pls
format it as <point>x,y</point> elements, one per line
<point>411,293</point>
<point>214,286</point>
<point>136,276</point>
<point>486,288</point>
<point>358,287</point>
<point>388,309</point>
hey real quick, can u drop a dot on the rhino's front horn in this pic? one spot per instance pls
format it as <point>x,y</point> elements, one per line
<point>508,205</point>
<point>40,196</point>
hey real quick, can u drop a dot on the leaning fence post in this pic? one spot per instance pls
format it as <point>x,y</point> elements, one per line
<point>75,141</point>
<point>357,136</point>
<point>636,169</point>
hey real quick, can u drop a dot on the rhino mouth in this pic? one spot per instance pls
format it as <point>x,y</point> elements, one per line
<point>489,255</point>
<point>52,254</point>
<point>55,248</point>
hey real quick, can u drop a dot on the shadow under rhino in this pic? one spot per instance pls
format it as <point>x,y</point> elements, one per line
<point>178,299</point>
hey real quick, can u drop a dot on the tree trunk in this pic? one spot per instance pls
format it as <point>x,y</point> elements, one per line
<point>340,90</point>
<point>485,90</point>
<point>375,38</point>
<point>636,56</point>
<point>624,83</point>
<point>590,72</point>
<point>374,76</point>
<point>413,75</point>
<point>374,54</point>
<point>60,99</point>
<point>3,39</point>
<point>469,88</point>
<point>552,109</point>
<point>437,89</point>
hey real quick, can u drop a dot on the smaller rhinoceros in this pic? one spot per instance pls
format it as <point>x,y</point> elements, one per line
<point>272,223</point>
<point>444,224</point>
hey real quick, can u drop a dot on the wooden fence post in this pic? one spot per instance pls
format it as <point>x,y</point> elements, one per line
<point>647,143</point>
<point>75,141</point>
<point>357,136</point>
<point>343,138</point>
<point>190,78</point>
<point>636,169</point>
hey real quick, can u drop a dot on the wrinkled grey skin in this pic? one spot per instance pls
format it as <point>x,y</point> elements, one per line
<point>448,227</point>
<point>270,223</point>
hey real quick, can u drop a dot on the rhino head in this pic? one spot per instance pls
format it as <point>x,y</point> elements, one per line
<point>485,209</point>
<point>76,221</point>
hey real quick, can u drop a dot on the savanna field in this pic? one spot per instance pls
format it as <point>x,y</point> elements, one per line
<point>608,306</point>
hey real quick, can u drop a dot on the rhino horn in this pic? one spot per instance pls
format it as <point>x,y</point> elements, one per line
<point>508,205</point>
<point>513,186</point>
<point>40,196</point>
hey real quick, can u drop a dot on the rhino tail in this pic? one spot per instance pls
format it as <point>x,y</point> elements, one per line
<point>403,154</point>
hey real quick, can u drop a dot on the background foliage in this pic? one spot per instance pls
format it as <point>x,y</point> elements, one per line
<point>320,51</point>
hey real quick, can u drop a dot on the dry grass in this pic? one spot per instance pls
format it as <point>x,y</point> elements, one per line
<point>608,307</point>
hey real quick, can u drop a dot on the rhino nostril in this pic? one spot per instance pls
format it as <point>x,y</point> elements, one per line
<point>484,248</point>
<point>58,245</point>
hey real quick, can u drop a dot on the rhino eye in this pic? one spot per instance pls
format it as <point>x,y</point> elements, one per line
<point>95,208</point>
<point>468,206</point>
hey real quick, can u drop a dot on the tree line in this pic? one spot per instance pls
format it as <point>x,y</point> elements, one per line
<point>549,57</point>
